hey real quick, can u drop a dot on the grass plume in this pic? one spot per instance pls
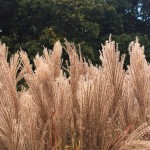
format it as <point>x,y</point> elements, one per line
<point>94,108</point>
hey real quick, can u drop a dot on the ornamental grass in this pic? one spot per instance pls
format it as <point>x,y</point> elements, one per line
<point>77,106</point>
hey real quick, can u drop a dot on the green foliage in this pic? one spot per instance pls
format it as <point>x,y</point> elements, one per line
<point>48,37</point>
<point>30,24</point>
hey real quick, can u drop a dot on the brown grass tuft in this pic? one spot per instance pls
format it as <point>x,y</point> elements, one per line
<point>95,108</point>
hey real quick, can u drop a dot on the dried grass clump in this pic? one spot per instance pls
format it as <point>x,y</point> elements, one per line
<point>95,108</point>
<point>137,145</point>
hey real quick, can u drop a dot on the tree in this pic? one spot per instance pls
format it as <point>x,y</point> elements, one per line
<point>8,16</point>
<point>30,24</point>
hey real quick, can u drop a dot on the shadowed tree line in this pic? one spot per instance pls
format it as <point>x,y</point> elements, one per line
<point>32,24</point>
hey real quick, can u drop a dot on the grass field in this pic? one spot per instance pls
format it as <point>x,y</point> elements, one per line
<point>76,106</point>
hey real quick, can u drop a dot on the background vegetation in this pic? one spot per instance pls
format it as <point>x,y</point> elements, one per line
<point>30,24</point>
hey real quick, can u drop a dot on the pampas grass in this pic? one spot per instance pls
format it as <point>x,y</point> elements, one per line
<point>95,108</point>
